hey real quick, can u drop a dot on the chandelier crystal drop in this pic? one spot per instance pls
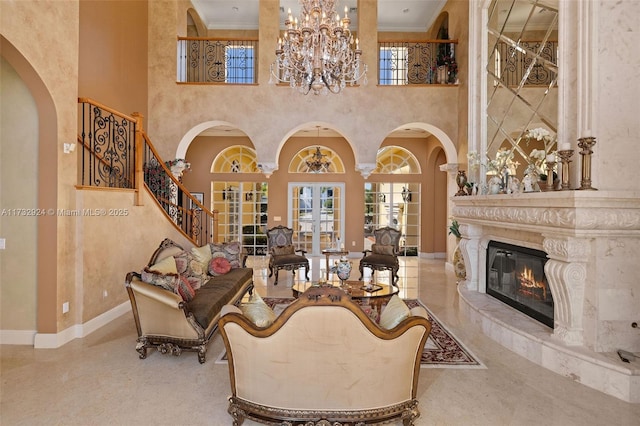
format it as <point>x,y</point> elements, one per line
<point>318,52</point>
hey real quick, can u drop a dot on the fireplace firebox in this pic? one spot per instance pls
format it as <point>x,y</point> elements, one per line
<point>515,275</point>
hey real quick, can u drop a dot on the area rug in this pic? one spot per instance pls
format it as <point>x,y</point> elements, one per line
<point>442,350</point>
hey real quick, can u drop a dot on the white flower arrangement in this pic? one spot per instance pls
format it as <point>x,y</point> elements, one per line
<point>474,160</point>
<point>504,160</point>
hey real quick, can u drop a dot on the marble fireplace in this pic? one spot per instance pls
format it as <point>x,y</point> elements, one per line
<point>591,245</point>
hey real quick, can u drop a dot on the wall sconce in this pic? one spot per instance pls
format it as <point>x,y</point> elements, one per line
<point>406,194</point>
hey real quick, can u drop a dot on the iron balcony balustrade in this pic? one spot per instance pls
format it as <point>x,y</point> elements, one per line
<point>215,60</point>
<point>417,62</point>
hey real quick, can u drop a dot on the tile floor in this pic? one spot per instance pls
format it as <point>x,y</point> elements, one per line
<point>99,380</point>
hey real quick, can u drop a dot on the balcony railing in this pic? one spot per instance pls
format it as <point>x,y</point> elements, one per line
<point>511,63</point>
<point>417,62</point>
<point>213,60</point>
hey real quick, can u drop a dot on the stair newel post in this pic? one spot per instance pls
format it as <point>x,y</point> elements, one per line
<point>139,153</point>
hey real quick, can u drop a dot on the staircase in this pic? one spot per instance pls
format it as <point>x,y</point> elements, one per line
<point>117,153</point>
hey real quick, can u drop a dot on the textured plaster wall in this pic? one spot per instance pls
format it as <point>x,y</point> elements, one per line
<point>268,113</point>
<point>113,244</point>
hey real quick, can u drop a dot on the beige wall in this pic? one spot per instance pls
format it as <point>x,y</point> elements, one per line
<point>114,243</point>
<point>113,54</point>
<point>18,163</point>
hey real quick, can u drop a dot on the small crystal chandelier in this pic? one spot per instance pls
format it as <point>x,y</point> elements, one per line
<point>316,53</point>
<point>318,163</point>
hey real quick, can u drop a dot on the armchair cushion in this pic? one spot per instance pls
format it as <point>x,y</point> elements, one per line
<point>283,250</point>
<point>219,266</point>
<point>232,251</point>
<point>257,311</point>
<point>394,313</point>
<point>387,250</point>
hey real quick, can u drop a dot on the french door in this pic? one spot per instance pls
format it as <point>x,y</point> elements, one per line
<point>316,215</point>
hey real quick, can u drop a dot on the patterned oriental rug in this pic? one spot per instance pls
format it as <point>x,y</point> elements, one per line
<point>442,350</point>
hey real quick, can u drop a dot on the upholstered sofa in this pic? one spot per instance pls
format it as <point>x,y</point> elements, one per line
<point>323,361</point>
<point>179,311</point>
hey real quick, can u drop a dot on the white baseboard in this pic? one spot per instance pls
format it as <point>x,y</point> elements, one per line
<point>432,255</point>
<point>78,331</point>
<point>17,337</point>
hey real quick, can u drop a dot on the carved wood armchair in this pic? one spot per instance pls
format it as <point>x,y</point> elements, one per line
<point>383,254</point>
<point>283,253</point>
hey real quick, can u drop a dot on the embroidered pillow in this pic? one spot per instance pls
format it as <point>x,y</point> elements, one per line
<point>382,249</point>
<point>282,250</point>
<point>184,289</point>
<point>394,313</point>
<point>219,266</point>
<point>166,281</point>
<point>257,311</point>
<point>191,268</point>
<point>231,251</point>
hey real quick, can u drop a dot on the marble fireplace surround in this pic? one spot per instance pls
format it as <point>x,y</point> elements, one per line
<point>592,239</point>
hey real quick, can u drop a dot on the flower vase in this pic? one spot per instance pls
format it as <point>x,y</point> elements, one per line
<point>343,269</point>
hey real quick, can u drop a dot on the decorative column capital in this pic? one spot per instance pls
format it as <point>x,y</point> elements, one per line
<point>268,168</point>
<point>450,168</point>
<point>365,169</point>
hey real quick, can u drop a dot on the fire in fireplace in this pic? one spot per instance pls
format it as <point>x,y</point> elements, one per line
<point>515,275</point>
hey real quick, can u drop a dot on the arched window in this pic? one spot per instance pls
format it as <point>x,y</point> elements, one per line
<point>236,159</point>
<point>396,160</point>
<point>316,159</point>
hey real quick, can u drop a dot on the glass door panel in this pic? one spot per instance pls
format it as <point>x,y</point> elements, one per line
<point>316,217</point>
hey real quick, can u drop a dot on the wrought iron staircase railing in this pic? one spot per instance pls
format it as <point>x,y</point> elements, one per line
<point>117,153</point>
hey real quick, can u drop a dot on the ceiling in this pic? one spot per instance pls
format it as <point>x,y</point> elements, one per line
<point>393,15</point>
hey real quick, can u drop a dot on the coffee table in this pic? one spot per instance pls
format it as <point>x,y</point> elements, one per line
<point>355,291</point>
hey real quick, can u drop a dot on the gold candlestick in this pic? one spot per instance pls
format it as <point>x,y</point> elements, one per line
<point>585,145</point>
<point>550,182</point>
<point>565,159</point>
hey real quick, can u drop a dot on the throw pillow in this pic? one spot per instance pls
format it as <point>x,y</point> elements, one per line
<point>202,254</point>
<point>257,311</point>
<point>166,281</point>
<point>382,249</point>
<point>219,266</point>
<point>394,313</point>
<point>184,289</point>
<point>231,251</point>
<point>165,266</point>
<point>191,268</point>
<point>283,250</point>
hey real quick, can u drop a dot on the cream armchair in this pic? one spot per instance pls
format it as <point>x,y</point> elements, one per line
<point>323,361</point>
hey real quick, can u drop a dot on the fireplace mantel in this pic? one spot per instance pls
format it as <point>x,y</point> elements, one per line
<point>592,240</point>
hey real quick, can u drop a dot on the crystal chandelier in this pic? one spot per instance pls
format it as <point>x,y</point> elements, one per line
<point>316,53</point>
<point>318,163</point>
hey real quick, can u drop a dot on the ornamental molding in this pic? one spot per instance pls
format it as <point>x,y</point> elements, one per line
<point>558,217</point>
<point>576,249</point>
